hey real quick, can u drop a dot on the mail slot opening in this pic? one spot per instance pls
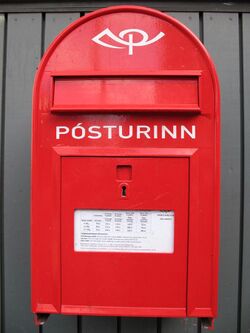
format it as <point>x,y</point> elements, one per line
<point>130,93</point>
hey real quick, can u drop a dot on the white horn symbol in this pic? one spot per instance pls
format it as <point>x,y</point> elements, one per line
<point>130,42</point>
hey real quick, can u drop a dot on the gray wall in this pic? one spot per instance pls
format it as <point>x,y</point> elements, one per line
<point>23,39</point>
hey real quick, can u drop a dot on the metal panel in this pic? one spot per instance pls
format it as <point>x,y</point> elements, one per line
<point>98,324</point>
<point>179,325</point>
<point>138,325</point>
<point>23,53</point>
<point>191,20</point>
<point>176,325</point>
<point>74,6</point>
<point>245,306</point>
<point>54,24</point>
<point>2,81</point>
<point>221,37</point>
<point>24,40</point>
<point>60,323</point>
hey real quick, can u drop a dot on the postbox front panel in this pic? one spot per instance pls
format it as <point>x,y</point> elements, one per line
<point>114,261</point>
<point>125,170</point>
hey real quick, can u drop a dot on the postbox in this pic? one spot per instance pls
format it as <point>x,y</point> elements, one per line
<point>125,170</point>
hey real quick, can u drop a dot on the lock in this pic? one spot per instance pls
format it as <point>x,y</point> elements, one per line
<point>124,191</point>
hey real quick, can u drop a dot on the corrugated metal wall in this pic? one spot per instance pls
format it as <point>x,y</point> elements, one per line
<point>23,39</point>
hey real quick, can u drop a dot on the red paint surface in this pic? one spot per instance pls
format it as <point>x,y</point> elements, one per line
<point>82,93</point>
<point>152,188</point>
<point>180,174</point>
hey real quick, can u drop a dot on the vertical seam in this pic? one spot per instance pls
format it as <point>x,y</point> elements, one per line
<point>201,27</point>
<point>3,107</point>
<point>43,22</point>
<point>242,170</point>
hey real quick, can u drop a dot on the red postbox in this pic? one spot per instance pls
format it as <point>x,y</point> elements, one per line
<point>125,170</point>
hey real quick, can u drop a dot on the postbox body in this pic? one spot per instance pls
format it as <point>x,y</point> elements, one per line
<point>125,170</point>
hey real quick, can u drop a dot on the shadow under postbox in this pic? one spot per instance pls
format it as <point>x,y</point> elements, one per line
<point>125,170</point>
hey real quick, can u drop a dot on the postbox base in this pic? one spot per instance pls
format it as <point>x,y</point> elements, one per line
<point>207,323</point>
<point>41,318</point>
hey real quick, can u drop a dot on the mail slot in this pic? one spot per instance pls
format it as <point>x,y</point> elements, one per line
<point>121,92</point>
<point>125,170</point>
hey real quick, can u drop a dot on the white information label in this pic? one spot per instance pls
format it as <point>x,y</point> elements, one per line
<point>124,231</point>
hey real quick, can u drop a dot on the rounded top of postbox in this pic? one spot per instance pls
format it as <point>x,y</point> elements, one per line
<point>125,39</point>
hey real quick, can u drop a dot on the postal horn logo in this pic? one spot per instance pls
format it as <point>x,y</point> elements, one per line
<point>126,39</point>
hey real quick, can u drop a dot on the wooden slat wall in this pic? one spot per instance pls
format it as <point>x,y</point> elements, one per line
<point>221,37</point>
<point>2,53</point>
<point>98,324</point>
<point>23,38</point>
<point>245,306</point>
<point>22,57</point>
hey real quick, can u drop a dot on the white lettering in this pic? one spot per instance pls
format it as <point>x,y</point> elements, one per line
<point>78,132</point>
<point>184,130</point>
<point>130,132</point>
<point>165,129</point>
<point>94,130</point>
<point>143,130</point>
<point>174,132</point>
<point>155,132</point>
<point>110,130</point>
<point>61,130</point>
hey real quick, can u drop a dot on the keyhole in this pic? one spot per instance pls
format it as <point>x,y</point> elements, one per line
<point>124,191</point>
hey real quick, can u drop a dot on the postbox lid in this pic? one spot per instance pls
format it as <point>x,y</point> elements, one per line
<point>126,40</point>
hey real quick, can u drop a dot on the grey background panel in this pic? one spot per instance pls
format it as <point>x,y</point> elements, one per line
<point>23,54</point>
<point>245,310</point>
<point>60,324</point>
<point>177,325</point>
<point>2,65</point>
<point>138,325</point>
<point>221,37</point>
<point>71,6</point>
<point>191,20</point>
<point>53,25</point>
<point>98,324</point>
